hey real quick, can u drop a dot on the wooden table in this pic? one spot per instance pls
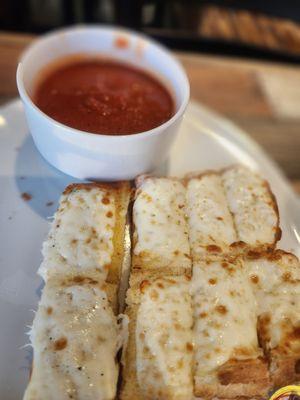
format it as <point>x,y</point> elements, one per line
<point>263,98</point>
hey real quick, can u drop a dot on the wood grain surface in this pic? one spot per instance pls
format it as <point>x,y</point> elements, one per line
<point>262,98</point>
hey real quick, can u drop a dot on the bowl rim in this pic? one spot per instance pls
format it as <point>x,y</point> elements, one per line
<point>80,134</point>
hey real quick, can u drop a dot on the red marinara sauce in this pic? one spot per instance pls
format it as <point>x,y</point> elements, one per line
<point>103,96</point>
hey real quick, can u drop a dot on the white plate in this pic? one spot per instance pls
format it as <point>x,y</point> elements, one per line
<point>205,141</point>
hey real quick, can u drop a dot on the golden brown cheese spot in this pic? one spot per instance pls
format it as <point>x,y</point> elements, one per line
<point>142,336</point>
<point>238,244</point>
<point>254,255</point>
<point>176,252</point>
<point>88,240</point>
<point>105,200</point>
<point>287,277</point>
<point>49,310</point>
<point>254,279</point>
<point>84,279</point>
<point>189,346</point>
<point>228,268</point>
<point>212,281</point>
<point>212,248</point>
<point>180,206</point>
<point>221,309</point>
<point>160,285</point>
<point>219,218</point>
<point>143,286</point>
<point>203,315</point>
<point>74,241</point>
<point>109,214</point>
<point>60,344</point>
<point>180,364</point>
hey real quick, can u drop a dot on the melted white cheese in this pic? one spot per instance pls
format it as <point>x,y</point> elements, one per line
<point>276,284</point>
<point>283,310</point>
<point>161,231</point>
<point>75,338</point>
<point>252,206</point>
<point>81,235</point>
<point>225,315</point>
<point>277,274</point>
<point>164,343</point>
<point>210,221</point>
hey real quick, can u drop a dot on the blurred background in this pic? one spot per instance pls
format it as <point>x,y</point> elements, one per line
<point>266,29</point>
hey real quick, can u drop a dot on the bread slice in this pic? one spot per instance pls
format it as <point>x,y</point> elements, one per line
<point>211,227</point>
<point>228,360</point>
<point>275,279</point>
<point>279,333</point>
<point>253,206</point>
<point>87,232</point>
<point>160,237</point>
<point>275,272</point>
<point>157,362</point>
<point>75,337</point>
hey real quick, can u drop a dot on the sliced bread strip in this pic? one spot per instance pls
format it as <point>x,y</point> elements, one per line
<point>228,360</point>
<point>87,233</point>
<point>157,362</point>
<point>75,337</point>
<point>275,279</point>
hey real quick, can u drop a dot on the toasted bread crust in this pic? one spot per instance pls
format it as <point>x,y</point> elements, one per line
<point>235,379</point>
<point>284,368</point>
<point>130,389</point>
<point>101,185</point>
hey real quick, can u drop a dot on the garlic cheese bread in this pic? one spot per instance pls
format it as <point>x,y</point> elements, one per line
<point>228,360</point>
<point>275,279</point>
<point>75,337</point>
<point>211,227</point>
<point>160,238</point>
<point>213,310</point>
<point>253,207</point>
<point>158,357</point>
<point>87,232</point>
<point>230,212</point>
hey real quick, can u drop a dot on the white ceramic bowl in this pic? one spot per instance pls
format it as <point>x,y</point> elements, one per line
<point>92,156</point>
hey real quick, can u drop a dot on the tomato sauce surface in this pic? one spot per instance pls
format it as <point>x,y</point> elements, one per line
<point>104,97</point>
